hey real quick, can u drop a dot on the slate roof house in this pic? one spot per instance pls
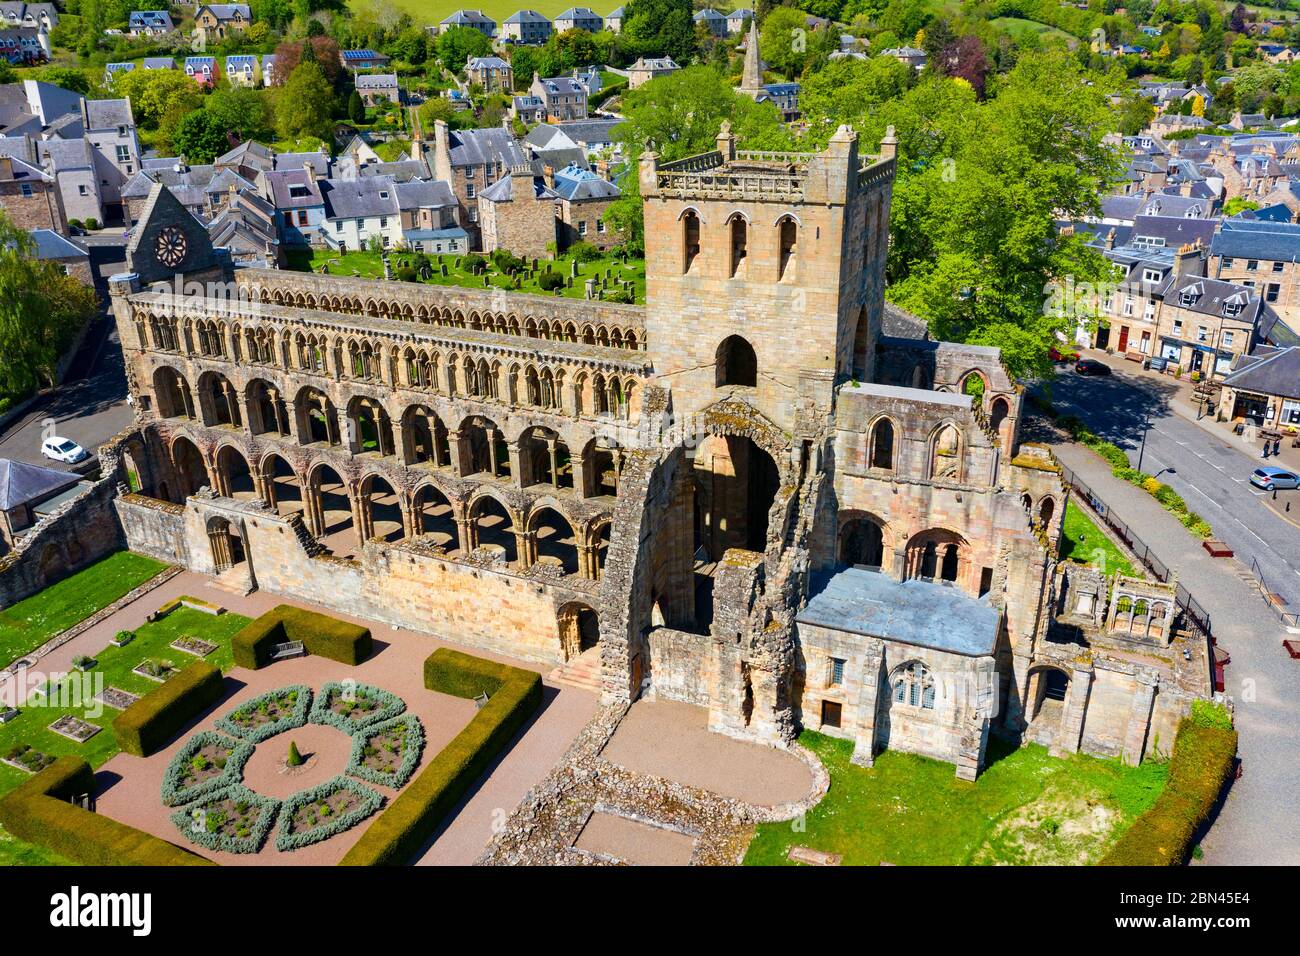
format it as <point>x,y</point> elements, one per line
<point>378,88</point>
<point>474,19</point>
<point>490,72</point>
<point>579,18</point>
<point>150,23</point>
<point>470,160</point>
<point>1264,388</point>
<point>527,27</point>
<point>563,98</point>
<point>28,493</point>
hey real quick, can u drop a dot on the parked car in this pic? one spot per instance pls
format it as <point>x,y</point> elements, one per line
<point>64,450</point>
<point>1086,366</point>
<point>1269,478</point>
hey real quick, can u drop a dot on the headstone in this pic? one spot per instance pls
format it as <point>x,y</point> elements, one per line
<point>573,267</point>
<point>591,288</point>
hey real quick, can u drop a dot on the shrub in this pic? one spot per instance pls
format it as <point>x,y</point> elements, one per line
<point>267,808</point>
<point>289,839</point>
<point>256,734</point>
<point>320,634</point>
<point>38,811</point>
<point>1206,713</point>
<point>412,746</point>
<point>295,758</point>
<point>514,696</point>
<point>550,281</point>
<point>75,223</point>
<point>505,261</point>
<point>474,263</point>
<point>1200,767</point>
<point>174,793</point>
<point>92,224</point>
<point>406,274</point>
<point>145,726</point>
<point>584,251</point>
<point>390,706</point>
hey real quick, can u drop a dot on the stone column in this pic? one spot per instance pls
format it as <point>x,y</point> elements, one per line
<point>467,534</point>
<point>526,545</point>
<point>407,506</point>
<point>555,472</point>
<point>187,399</point>
<point>453,448</point>
<point>516,474</point>
<point>492,451</point>
<point>1017,702</point>
<point>360,516</point>
<point>864,744</point>
<point>1070,731</point>
<point>281,426</point>
<point>579,476</point>
<point>1139,718</point>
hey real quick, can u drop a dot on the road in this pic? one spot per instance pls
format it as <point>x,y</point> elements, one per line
<point>1211,474</point>
<point>90,406</point>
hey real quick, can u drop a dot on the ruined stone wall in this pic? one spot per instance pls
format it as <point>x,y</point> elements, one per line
<point>153,527</point>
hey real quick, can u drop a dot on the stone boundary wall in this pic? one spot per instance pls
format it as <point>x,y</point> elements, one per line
<point>153,527</point>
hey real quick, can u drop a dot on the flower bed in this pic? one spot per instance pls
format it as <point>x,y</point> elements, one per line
<point>207,762</point>
<point>154,670</point>
<point>24,757</point>
<point>193,645</point>
<point>74,728</point>
<point>351,707</point>
<point>117,698</point>
<point>324,811</point>
<point>387,753</point>
<point>269,714</point>
<point>231,818</point>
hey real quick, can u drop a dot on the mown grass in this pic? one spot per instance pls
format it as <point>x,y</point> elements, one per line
<point>1026,808</point>
<point>28,624</point>
<point>1084,543</point>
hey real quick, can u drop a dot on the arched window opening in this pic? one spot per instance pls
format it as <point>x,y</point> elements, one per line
<point>690,239</point>
<point>945,455</point>
<point>913,686</point>
<point>736,363</point>
<point>882,445</point>
<point>789,237</point>
<point>862,542</point>
<point>739,244</point>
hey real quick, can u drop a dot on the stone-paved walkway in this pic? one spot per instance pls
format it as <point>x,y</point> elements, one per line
<point>1258,823</point>
<point>550,820</point>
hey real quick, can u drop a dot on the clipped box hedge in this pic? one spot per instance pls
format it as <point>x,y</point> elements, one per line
<point>147,725</point>
<point>38,811</point>
<point>320,634</point>
<point>1198,771</point>
<point>514,695</point>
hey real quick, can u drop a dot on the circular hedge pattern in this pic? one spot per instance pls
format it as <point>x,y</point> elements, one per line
<point>205,779</point>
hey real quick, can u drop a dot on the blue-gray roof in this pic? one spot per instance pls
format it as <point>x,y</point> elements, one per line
<point>51,245</point>
<point>21,483</point>
<point>1256,239</point>
<point>922,613</point>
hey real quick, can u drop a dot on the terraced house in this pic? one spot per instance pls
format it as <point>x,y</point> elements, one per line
<point>757,493</point>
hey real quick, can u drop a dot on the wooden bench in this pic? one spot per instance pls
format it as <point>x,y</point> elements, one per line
<point>287,649</point>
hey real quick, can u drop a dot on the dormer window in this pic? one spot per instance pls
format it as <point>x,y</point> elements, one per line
<point>1189,296</point>
<point>1151,275</point>
<point>1232,307</point>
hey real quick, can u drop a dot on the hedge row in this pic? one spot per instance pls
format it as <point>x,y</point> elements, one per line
<point>320,634</point>
<point>1200,767</point>
<point>148,724</point>
<point>1169,499</point>
<point>38,811</point>
<point>514,695</point>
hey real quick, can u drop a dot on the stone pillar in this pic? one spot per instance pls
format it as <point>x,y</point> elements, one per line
<point>512,453</point>
<point>579,476</point>
<point>280,411</point>
<point>409,517</point>
<point>492,451</point>
<point>873,676</point>
<point>453,448</point>
<point>555,471</point>
<point>360,515</point>
<point>187,399</point>
<point>1139,718</point>
<point>1070,732</point>
<point>526,545</point>
<point>1017,703</point>
<point>468,533</point>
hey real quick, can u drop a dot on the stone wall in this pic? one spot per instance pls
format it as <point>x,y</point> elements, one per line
<point>153,527</point>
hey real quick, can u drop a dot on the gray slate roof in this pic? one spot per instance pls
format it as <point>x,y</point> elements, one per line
<point>21,483</point>
<point>915,612</point>
<point>1276,374</point>
<point>474,147</point>
<point>1255,239</point>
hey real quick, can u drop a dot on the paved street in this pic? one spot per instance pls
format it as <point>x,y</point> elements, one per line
<point>1258,824</point>
<point>1210,472</point>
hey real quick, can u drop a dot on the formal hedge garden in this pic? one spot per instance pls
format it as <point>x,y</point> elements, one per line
<point>148,724</point>
<point>320,634</point>
<point>219,812</point>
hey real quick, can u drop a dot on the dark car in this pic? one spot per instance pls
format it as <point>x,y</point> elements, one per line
<point>1091,367</point>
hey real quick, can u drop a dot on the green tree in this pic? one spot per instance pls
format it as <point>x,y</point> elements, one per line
<point>295,758</point>
<point>660,28</point>
<point>305,104</point>
<point>459,44</point>
<point>65,77</point>
<point>783,40</point>
<point>41,311</point>
<point>356,108</point>
<point>200,137</point>
<point>155,92</point>
<point>240,110</point>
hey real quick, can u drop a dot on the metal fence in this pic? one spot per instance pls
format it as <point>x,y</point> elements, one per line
<point>1271,597</point>
<point>1195,616</point>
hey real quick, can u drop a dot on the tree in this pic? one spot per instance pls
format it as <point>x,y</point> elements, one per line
<point>965,59</point>
<point>323,50</point>
<point>660,28</point>
<point>65,77</point>
<point>459,44</point>
<point>240,110</point>
<point>200,137</point>
<point>295,758</point>
<point>356,108</point>
<point>783,40</point>
<point>41,311</point>
<point>305,104</point>
<point>1134,113</point>
<point>153,93</point>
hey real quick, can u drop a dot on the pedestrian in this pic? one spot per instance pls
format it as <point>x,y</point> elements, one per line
<point>1277,447</point>
<point>1264,453</point>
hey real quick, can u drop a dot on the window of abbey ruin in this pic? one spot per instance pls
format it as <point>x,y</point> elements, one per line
<point>882,445</point>
<point>739,243</point>
<point>690,239</point>
<point>1046,508</point>
<point>736,363</point>
<point>862,542</point>
<point>945,454</point>
<point>913,686</point>
<point>998,413</point>
<point>789,236</point>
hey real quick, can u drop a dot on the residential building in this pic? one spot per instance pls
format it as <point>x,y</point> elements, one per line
<point>25,45</point>
<point>614,20</point>
<point>738,20</point>
<point>563,98</point>
<point>712,20</point>
<point>30,196</point>
<point>528,109</point>
<point>474,19</point>
<point>109,126</point>
<point>375,88</point>
<point>430,218</point>
<point>490,72</point>
<point>299,204</point>
<point>646,69</point>
<point>1261,255</point>
<point>908,55</point>
<point>149,23</point>
<point>551,146</point>
<point>518,213</point>
<point>363,59</point>
<point>357,210</point>
<point>111,70</point>
<point>584,198</point>
<point>579,18</point>
<point>216,21</point>
<point>241,70</point>
<point>27,494</point>
<point>1263,388</point>
<point>201,69</point>
<point>268,69</point>
<point>34,15</point>
<point>470,160</point>
<point>245,226</point>
<point>75,166</point>
<point>527,27</point>
<point>74,260</point>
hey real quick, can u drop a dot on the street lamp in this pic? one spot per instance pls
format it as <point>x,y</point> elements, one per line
<point>1146,425</point>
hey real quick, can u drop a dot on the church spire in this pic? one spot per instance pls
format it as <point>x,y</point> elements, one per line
<point>752,78</point>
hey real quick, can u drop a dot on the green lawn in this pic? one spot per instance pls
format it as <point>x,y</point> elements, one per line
<point>1084,543</point>
<point>114,666</point>
<point>30,623</point>
<point>1017,25</point>
<point>370,266</point>
<point>1026,808</point>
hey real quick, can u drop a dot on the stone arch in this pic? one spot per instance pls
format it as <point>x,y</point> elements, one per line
<point>883,450</point>
<point>484,449</point>
<point>491,523</point>
<point>435,518</point>
<point>736,482</point>
<point>544,458</point>
<point>912,685</point>
<point>863,539</point>
<point>690,223</point>
<point>1046,510</point>
<point>372,430</point>
<point>735,363</point>
<point>172,393</point>
<point>598,534</point>
<point>938,554</point>
<point>187,464</point>
<point>999,411</point>
<point>267,412</point>
<point>282,485</point>
<point>218,400</point>
<point>787,234</point>
<point>425,437</point>
<point>738,244</point>
<point>947,449</point>
<point>975,384</point>
<point>552,538</point>
<point>226,544</point>
<point>329,508</point>
<point>318,421</point>
<point>1048,686</point>
<point>579,627</point>
<point>380,509</point>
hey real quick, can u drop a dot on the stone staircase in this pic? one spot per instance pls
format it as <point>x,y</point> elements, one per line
<point>235,580</point>
<point>582,672</point>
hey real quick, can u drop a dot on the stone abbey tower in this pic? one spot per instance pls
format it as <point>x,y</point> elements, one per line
<point>764,492</point>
